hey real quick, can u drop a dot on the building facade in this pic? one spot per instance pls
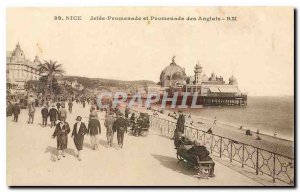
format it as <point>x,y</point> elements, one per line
<point>173,78</point>
<point>19,69</point>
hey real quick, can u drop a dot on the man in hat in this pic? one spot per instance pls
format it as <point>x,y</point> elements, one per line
<point>94,129</point>
<point>109,122</point>
<point>58,105</point>
<point>45,114</point>
<point>79,130</point>
<point>61,133</point>
<point>16,111</point>
<point>120,126</point>
<point>53,114</point>
<point>180,124</point>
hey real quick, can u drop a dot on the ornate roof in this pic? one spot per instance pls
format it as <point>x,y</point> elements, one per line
<point>18,52</point>
<point>173,72</point>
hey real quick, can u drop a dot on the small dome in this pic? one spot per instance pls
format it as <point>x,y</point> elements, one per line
<point>204,77</point>
<point>18,52</point>
<point>232,80</point>
<point>36,61</point>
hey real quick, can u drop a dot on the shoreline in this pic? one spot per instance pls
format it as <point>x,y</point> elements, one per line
<point>278,145</point>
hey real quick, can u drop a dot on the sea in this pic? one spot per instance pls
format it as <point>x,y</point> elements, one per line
<point>267,114</point>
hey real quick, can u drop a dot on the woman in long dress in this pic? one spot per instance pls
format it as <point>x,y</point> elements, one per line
<point>61,133</point>
<point>79,130</point>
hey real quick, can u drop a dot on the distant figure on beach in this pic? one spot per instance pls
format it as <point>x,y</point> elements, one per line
<point>275,134</point>
<point>191,123</point>
<point>248,132</point>
<point>61,133</point>
<point>79,130</point>
<point>215,121</point>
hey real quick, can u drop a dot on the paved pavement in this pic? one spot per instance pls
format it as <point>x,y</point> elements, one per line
<point>149,160</point>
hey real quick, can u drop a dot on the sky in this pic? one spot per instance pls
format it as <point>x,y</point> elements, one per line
<point>258,48</point>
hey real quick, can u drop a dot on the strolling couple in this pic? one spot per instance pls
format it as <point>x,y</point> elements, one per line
<point>79,130</point>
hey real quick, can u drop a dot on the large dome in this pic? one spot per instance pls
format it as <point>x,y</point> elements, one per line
<point>173,75</point>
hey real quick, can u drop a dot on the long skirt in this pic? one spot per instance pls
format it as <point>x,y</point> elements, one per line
<point>62,142</point>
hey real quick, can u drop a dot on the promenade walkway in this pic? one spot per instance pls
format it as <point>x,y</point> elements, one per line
<point>149,160</point>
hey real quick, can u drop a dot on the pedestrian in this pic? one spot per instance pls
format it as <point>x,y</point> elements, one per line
<point>62,113</point>
<point>53,113</point>
<point>215,121</point>
<point>120,126</point>
<point>79,130</point>
<point>31,111</point>
<point>61,133</point>
<point>127,111</point>
<point>58,105</point>
<point>108,123</point>
<point>93,113</point>
<point>45,114</point>
<point>70,106</point>
<point>94,129</point>
<point>16,110</point>
<point>83,103</point>
<point>180,123</point>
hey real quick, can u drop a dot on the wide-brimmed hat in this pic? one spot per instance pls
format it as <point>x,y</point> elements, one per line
<point>78,118</point>
<point>62,118</point>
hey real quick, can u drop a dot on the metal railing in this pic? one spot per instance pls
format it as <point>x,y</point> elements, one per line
<point>277,166</point>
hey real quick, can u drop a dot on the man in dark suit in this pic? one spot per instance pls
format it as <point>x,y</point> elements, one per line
<point>53,113</point>
<point>16,111</point>
<point>120,126</point>
<point>79,130</point>
<point>94,129</point>
<point>45,115</point>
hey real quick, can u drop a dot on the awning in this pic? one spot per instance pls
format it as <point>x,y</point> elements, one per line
<point>229,90</point>
<point>214,90</point>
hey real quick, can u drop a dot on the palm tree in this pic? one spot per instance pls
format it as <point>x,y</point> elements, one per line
<point>51,69</point>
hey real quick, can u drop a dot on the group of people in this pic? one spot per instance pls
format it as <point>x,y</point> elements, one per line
<point>137,123</point>
<point>113,123</point>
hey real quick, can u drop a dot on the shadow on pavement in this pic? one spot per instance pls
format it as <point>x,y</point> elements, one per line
<point>172,163</point>
<point>87,146</point>
<point>53,151</point>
